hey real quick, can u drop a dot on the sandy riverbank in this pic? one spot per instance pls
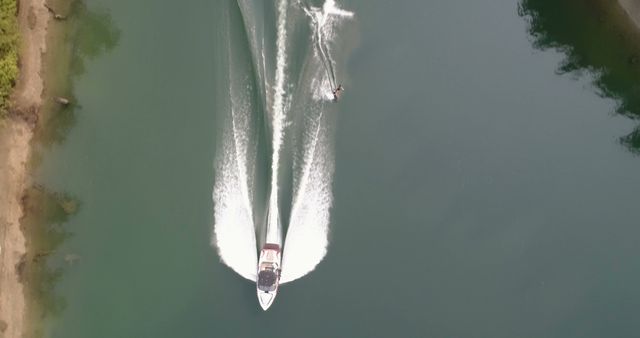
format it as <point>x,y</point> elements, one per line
<point>14,151</point>
<point>15,137</point>
<point>632,7</point>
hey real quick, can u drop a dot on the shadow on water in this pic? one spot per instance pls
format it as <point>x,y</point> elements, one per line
<point>45,214</point>
<point>85,35</point>
<point>598,38</point>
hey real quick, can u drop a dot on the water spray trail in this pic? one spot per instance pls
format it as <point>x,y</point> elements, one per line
<point>316,17</point>
<point>241,152</point>
<point>321,24</point>
<point>308,161</point>
<point>328,63</point>
<point>234,231</point>
<point>307,236</point>
<point>278,122</point>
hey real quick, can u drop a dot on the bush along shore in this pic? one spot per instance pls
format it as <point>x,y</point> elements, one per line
<point>8,51</point>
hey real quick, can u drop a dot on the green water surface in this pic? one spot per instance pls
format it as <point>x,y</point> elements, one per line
<point>481,189</point>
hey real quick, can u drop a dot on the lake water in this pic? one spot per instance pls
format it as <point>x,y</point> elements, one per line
<point>485,176</point>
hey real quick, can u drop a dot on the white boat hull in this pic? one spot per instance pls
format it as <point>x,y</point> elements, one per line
<point>268,275</point>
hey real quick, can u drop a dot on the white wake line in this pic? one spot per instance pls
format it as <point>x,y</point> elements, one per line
<point>278,109</point>
<point>315,16</point>
<point>308,163</point>
<point>232,202</point>
<point>303,253</point>
<point>241,167</point>
<point>319,20</point>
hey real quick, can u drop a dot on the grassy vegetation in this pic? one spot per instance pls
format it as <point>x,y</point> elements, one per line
<point>8,50</point>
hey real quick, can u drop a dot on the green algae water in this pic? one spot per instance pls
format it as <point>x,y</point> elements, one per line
<point>485,174</point>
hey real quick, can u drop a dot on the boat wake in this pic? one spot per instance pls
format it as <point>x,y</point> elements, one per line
<point>299,109</point>
<point>234,231</point>
<point>307,235</point>
<point>322,24</point>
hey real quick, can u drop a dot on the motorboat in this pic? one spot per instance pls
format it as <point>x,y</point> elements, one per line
<point>268,276</point>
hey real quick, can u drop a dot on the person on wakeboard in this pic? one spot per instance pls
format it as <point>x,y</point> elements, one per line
<point>336,93</point>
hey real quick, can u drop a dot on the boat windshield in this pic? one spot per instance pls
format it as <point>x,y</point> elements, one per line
<point>267,280</point>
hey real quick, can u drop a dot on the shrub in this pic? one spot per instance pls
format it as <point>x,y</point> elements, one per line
<point>8,50</point>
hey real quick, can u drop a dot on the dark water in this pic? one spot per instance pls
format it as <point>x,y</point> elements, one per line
<point>485,181</point>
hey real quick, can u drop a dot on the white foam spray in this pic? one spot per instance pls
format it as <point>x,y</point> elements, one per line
<point>234,231</point>
<point>307,237</point>
<point>322,25</point>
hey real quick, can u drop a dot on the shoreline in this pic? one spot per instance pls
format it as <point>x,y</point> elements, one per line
<point>15,151</point>
<point>632,8</point>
